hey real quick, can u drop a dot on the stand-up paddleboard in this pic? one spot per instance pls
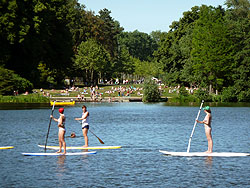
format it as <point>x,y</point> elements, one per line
<point>6,147</point>
<point>80,147</point>
<point>203,154</point>
<point>58,154</point>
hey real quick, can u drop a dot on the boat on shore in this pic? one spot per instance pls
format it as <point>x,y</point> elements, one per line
<point>62,103</point>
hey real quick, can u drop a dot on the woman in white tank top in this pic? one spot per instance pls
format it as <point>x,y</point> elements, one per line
<point>85,124</point>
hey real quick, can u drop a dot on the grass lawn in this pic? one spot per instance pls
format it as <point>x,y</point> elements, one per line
<point>43,96</point>
<point>135,90</point>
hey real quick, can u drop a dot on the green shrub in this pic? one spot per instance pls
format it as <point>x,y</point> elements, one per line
<point>151,92</point>
<point>202,95</point>
<point>9,81</point>
<point>184,99</point>
<point>216,98</point>
<point>228,95</point>
<point>244,96</point>
<point>183,92</point>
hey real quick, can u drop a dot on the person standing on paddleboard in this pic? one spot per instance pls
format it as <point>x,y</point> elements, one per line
<point>61,131</point>
<point>85,124</point>
<point>208,129</point>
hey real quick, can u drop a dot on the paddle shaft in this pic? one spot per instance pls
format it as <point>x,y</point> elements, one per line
<point>49,126</point>
<point>190,138</point>
<point>94,135</point>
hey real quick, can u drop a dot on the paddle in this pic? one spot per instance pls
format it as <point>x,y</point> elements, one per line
<point>49,125</point>
<point>94,135</point>
<point>97,137</point>
<point>190,138</point>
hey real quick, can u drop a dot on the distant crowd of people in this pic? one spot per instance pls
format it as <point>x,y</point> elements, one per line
<point>97,93</point>
<point>125,90</point>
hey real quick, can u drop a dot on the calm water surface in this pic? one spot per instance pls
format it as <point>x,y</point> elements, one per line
<point>142,129</point>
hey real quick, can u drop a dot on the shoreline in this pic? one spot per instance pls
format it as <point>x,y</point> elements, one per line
<point>104,99</point>
<point>166,100</point>
<point>21,106</point>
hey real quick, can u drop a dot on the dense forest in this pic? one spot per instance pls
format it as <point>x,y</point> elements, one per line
<point>43,42</point>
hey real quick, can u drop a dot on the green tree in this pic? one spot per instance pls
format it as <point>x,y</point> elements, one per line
<point>32,32</point>
<point>46,76</point>
<point>126,65</point>
<point>157,36</point>
<point>211,48</point>
<point>175,47</point>
<point>147,68</point>
<point>110,30</point>
<point>78,22</point>
<point>93,59</point>
<point>238,21</point>
<point>140,45</point>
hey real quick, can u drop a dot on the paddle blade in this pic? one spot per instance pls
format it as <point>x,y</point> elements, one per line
<point>97,137</point>
<point>100,141</point>
<point>53,106</point>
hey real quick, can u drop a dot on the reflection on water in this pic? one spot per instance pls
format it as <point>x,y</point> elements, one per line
<point>212,104</point>
<point>60,162</point>
<point>60,165</point>
<point>23,106</point>
<point>209,161</point>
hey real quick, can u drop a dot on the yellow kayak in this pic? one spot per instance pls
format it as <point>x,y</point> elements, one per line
<point>7,147</point>
<point>62,103</point>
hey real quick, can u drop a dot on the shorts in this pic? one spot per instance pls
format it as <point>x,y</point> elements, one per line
<point>85,127</point>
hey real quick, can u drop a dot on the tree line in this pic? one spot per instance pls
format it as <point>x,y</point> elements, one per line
<point>43,42</point>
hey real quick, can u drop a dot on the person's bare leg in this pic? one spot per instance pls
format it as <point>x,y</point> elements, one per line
<point>60,143</point>
<point>209,141</point>
<point>63,141</point>
<point>86,140</point>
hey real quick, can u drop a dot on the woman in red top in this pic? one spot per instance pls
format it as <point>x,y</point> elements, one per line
<point>61,131</point>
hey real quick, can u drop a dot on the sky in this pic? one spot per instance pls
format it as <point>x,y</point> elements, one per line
<point>147,15</point>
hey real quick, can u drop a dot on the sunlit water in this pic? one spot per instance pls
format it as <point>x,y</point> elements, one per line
<point>141,130</point>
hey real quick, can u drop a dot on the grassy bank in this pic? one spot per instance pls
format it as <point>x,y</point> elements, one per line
<point>43,96</point>
<point>135,90</point>
<point>30,98</point>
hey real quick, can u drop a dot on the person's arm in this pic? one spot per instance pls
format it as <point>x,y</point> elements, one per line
<point>200,121</point>
<point>79,118</point>
<point>83,117</point>
<point>53,118</point>
<point>205,121</point>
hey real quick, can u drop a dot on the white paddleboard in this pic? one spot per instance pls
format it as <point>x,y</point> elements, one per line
<point>80,147</point>
<point>7,147</point>
<point>58,154</point>
<point>203,154</point>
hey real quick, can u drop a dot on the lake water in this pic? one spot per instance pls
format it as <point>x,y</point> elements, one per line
<point>142,130</point>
